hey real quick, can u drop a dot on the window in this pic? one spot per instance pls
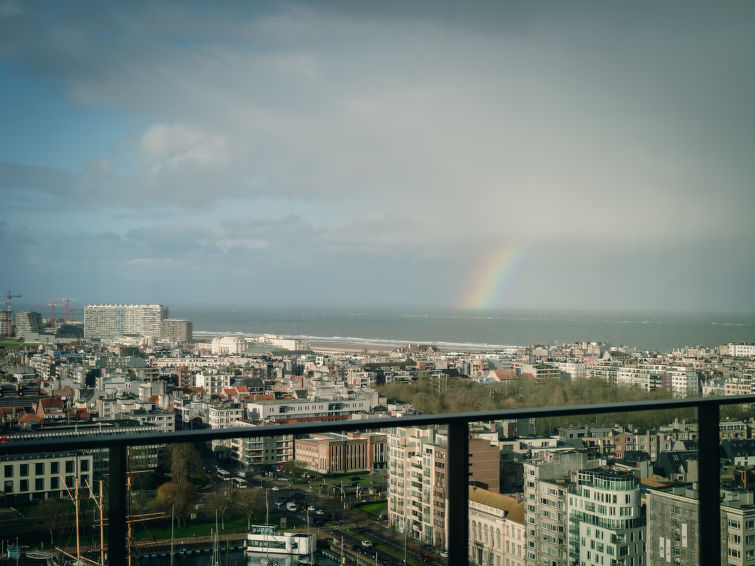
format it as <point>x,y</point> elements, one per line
<point>84,465</point>
<point>39,469</point>
<point>54,468</point>
<point>54,482</point>
<point>23,470</point>
<point>8,470</point>
<point>39,484</point>
<point>8,486</point>
<point>24,485</point>
<point>69,466</point>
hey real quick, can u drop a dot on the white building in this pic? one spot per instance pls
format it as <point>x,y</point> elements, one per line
<point>575,369</point>
<point>606,524</point>
<point>496,529</point>
<point>38,476</point>
<point>742,350</point>
<point>302,409</point>
<point>111,321</point>
<point>684,380</point>
<point>228,345</point>
<point>212,382</point>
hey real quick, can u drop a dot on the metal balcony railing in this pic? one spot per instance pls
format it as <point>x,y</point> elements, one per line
<point>708,410</point>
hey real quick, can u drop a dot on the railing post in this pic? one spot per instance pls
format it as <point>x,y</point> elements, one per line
<point>117,505</point>
<point>709,475</point>
<point>457,482</point>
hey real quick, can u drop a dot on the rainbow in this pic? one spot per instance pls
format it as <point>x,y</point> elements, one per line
<point>491,278</point>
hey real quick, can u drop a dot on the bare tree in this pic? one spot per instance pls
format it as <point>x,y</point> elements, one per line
<point>219,501</point>
<point>54,515</point>
<point>249,502</point>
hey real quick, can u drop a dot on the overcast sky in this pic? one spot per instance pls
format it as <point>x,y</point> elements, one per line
<point>375,154</point>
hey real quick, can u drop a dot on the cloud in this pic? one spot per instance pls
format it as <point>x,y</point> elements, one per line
<point>402,136</point>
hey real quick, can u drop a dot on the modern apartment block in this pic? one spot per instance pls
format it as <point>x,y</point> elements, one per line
<point>673,534</point>
<point>263,452</point>
<point>28,323</point>
<point>177,331</point>
<point>111,321</point>
<point>417,483</point>
<point>681,380</point>
<point>417,479</point>
<point>546,483</point>
<point>606,522</point>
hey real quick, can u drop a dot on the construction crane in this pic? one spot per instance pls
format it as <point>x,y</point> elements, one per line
<point>8,311</point>
<point>52,312</point>
<point>69,312</point>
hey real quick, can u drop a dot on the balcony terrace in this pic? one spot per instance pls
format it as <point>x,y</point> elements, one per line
<point>457,459</point>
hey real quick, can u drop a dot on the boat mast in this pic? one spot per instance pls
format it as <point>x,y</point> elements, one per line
<point>76,504</point>
<point>102,529</point>
<point>172,507</point>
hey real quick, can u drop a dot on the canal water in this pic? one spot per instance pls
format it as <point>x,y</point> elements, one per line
<point>231,558</point>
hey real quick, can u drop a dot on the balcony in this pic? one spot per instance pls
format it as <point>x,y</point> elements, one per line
<point>457,459</point>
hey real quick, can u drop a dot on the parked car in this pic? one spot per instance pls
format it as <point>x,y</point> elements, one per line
<point>366,544</point>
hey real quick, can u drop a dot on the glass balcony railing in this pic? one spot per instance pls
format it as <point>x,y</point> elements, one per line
<point>107,457</point>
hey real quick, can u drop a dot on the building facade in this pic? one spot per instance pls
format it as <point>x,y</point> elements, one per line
<point>177,331</point>
<point>496,529</point>
<point>341,453</point>
<point>111,321</point>
<point>606,523</point>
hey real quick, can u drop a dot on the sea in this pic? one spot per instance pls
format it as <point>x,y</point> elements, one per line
<point>464,330</point>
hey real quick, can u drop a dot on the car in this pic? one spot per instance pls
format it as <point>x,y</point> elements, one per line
<point>275,488</point>
<point>444,554</point>
<point>311,508</point>
<point>426,558</point>
<point>366,544</point>
<point>319,512</point>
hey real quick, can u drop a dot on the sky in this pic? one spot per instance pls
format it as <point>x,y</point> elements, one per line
<point>571,155</point>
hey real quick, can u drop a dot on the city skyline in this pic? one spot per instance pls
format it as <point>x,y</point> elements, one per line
<point>587,156</point>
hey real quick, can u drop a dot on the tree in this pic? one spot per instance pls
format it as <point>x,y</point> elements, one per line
<point>218,501</point>
<point>54,515</point>
<point>179,493</point>
<point>249,502</point>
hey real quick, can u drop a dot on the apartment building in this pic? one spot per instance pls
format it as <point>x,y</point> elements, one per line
<point>673,534</point>
<point>310,409</point>
<point>742,350</point>
<point>496,529</point>
<point>606,522</point>
<point>177,331</point>
<point>261,453</point>
<point>212,382</point>
<point>417,483</point>
<point>28,324</point>
<point>546,482</point>
<point>111,321</point>
<point>642,376</point>
<point>417,480</point>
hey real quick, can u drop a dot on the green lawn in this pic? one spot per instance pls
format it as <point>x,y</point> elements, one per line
<point>14,344</point>
<point>373,509</point>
